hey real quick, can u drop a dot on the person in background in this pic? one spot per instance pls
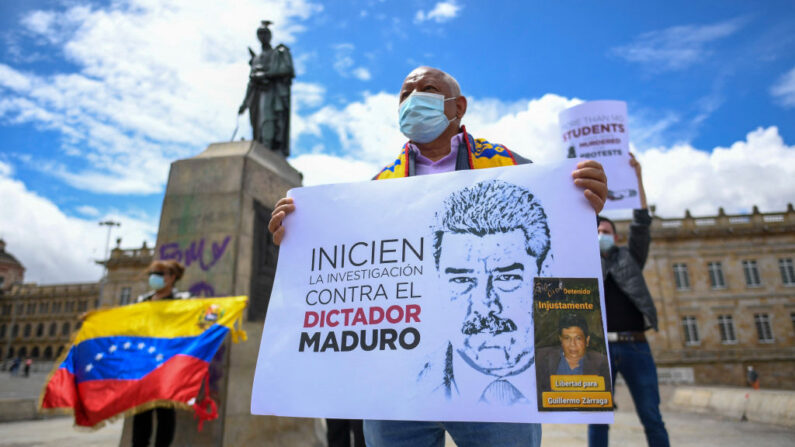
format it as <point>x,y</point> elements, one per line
<point>28,363</point>
<point>163,275</point>
<point>752,377</point>
<point>14,370</point>
<point>630,312</point>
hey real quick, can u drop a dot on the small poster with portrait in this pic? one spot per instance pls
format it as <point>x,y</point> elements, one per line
<point>572,370</point>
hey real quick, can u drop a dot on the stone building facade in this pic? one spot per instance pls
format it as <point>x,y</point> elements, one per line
<point>11,270</point>
<point>724,287</point>
<point>38,321</point>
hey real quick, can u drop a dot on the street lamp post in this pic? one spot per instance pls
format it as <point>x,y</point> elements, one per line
<point>110,224</point>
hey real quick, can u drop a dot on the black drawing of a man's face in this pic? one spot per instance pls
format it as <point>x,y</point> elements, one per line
<point>491,240</point>
<point>489,282</point>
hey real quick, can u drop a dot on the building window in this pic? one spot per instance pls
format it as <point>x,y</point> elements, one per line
<point>751,273</point>
<point>2,281</point>
<point>56,307</point>
<point>125,296</point>
<point>20,309</point>
<point>787,271</point>
<point>26,331</point>
<point>34,352</point>
<point>726,326</point>
<point>23,352</point>
<point>31,308</point>
<point>763,329</point>
<point>82,306</point>
<point>40,330</point>
<point>48,353</point>
<point>690,326</point>
<point>681,276</point>
<point>96,303</point>
<point>792,317</point>
<point>44,308</point>
<point>6,309</point>
<point>14,331</point>
<point>65,329</point>
<point>716,279</point>
<point>2,331</point>
<point>70,306</point>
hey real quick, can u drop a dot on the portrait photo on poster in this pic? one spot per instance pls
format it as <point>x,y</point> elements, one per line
<point>572,369</point>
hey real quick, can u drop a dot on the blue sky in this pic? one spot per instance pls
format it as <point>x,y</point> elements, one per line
<point>98,98</point>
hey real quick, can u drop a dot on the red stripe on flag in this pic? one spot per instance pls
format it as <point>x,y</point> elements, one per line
<point>60,391</point>
<point>178,379</point>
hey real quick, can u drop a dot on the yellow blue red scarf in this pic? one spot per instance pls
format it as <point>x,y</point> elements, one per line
<point>481,154</point>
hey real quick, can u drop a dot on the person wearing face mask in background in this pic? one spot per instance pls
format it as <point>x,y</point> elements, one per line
<point>162,277</point>
<point>430,113</point>
<point>630,312</point>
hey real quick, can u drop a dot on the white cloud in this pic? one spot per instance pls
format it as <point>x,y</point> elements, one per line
<point>677,47</point>
<point>319,169</point>
<point>345,65</point>
<point>39,21</point>
<point>53,246</point>
<point>756,171</point>
<point>361,74</point>
<point>155,81</point>
<point>13,79</point>
<point>441,12</point>
<point>784,89</point>
<point>87,210</point>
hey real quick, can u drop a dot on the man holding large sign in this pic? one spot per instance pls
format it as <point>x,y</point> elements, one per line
<point>488,267</point>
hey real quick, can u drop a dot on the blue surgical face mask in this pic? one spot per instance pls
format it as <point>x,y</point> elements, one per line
<point>156,282</point>
<point>422,117</point>
<point>606,241</point>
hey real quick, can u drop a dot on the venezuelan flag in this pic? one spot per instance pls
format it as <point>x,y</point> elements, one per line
<point>133,358</point>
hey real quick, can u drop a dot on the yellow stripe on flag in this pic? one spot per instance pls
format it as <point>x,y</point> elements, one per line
<point>165,319</point>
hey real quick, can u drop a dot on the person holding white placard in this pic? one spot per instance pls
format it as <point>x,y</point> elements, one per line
<point>430,114</point>
<point>630,311</point>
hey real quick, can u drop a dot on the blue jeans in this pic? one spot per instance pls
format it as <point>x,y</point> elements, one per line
<point>636,365</point>
<point>465,434</point>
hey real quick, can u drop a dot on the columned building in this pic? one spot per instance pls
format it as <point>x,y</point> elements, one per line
<point>38,321</point>
<point>724,287</point>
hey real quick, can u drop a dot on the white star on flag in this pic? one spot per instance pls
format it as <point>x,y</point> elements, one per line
<point>151,349</point>
<point>98,356</point>
<point>127,345</point>
<point>89,367</point>
<point>141,345</point>
<point>112,348</point>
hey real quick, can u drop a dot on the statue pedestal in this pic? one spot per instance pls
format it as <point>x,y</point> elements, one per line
<point>214,220</point>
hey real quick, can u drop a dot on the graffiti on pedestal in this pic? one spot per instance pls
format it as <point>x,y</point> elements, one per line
<point>194,253</point>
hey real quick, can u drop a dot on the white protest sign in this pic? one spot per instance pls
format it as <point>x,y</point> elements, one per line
<point>598,130</point>
<point>412,299</point>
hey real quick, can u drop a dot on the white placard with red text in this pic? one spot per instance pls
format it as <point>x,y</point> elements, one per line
<point>371,296</point>
<point>598,130</point>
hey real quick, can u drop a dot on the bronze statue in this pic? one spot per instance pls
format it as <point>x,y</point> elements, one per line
<point>268,93</point>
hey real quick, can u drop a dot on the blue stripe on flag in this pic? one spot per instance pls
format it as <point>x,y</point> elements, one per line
<point>128,357</point>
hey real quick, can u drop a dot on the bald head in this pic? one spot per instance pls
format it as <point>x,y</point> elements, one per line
<point>431,80</point>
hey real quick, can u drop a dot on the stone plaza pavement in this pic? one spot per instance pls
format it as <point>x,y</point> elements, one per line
<point>685,429</point>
